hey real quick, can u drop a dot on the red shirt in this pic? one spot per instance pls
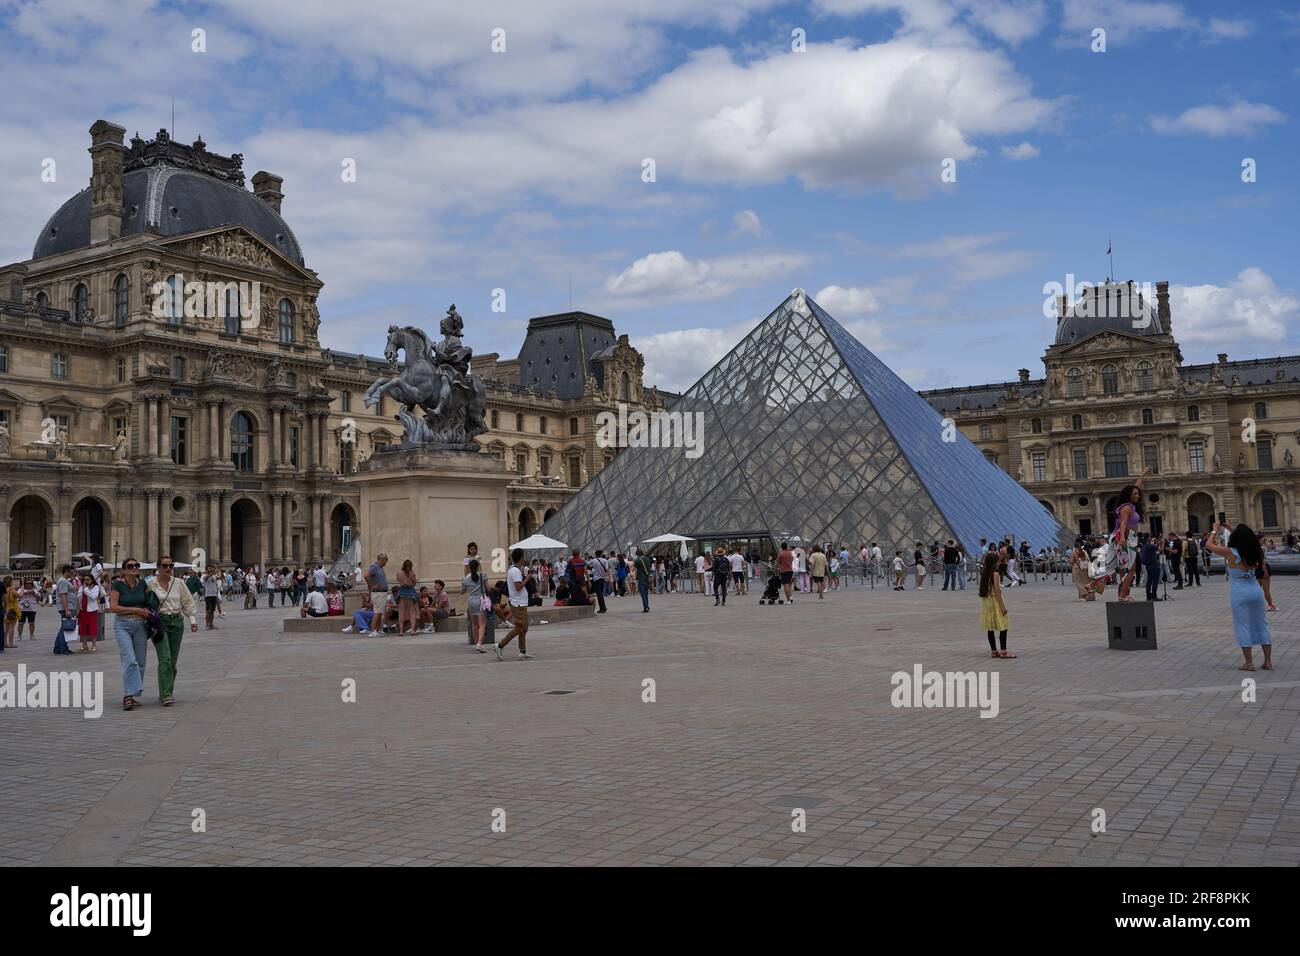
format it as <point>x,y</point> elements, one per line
<point>784,561</point>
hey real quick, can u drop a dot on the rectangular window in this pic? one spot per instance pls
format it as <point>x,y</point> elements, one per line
<point>496,419</point>
<point>178,441</point>
<point>1268,509</point>
<point>544,465</point>
<point>4,418</point>
<point>345,457</point>
<point>573,426</point>
<point>4,358</point>
<point>1193,413</point>
<point>575,471</point>
<point>1264,454</point>
<point>121,369</point>
<point>59,367</point>
<point>60,421</point>
<point>521,463</point>
<point>1080,464</point>
<point>1039,460</point>
<point>119,425</point>
<point>345,401</point>
<point>986,432</point>
<point>1196,456</point>
<point>1151,458</point>
<point>293,445</point>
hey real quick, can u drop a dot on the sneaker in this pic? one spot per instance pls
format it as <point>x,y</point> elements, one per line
<point>480,648</point>
<point>374,634</point>
<point>497,648</point>
<point>428,629</point>
<point>525,657</point>
<point>348,629</point>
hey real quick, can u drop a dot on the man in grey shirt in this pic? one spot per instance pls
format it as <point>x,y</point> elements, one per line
<point>63,601</point>
<point>377,585</point>
<point>599,572</point>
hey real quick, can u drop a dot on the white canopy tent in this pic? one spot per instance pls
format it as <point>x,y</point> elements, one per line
<point>667,538</point>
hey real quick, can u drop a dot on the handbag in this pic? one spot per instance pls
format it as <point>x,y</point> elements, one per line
<point>484,604</point>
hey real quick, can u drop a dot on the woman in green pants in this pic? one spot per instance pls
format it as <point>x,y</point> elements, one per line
<point>175,603</point>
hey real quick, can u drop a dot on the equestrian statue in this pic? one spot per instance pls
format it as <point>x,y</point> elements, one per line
<point>436,379</point>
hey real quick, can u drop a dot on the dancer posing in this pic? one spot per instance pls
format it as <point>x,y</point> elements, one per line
<point>1117,557</point>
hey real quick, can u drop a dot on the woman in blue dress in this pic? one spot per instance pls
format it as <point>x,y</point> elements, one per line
<point>1244,557</point>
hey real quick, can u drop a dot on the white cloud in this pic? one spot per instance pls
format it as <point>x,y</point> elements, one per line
<point>676,360</point>
<point>972,257</point>
<point>848,302</point>
<point>747,223</point>
<point>1251,306</point>
<point>671,277</point>
<point>1020,151</point>
<point>1011,21</point>
<point>1125,20</point>
<point>1239,119</point>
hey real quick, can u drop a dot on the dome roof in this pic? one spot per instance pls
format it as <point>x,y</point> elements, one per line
<point>1120,307</point>
<point>166,201</point>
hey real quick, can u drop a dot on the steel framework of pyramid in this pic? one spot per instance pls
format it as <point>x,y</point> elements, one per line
<point>806,433</point>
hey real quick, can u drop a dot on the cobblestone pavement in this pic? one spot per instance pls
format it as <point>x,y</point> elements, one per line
<point>760,712</point>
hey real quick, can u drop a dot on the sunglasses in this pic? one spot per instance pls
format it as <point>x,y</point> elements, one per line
<point>130,567</point>
<point>167,565</point>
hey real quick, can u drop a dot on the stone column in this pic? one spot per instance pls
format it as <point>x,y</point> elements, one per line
<point>150,425</point>
<point>165,524</point>
<point>267,514</point>
<point>326,546</point>
<point>272,438</point>
<point>165,429</point>
<point>223,431</point>
<point>214,432</point>
<point>277,519</point>
<point>4,537</point>
<point>223,525</point>
<point>146,544</point>
<point>309,440</point>
<point>323,441</point>
<point>63,530</point>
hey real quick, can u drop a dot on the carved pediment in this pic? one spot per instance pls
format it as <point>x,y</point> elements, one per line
<point>240,246</point>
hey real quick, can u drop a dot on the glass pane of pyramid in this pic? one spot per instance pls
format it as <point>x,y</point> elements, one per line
<point>806,432</point>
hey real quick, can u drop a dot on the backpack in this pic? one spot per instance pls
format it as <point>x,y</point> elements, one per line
<point>1191,549</point>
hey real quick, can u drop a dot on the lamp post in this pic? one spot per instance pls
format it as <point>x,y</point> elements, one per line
<point>115,562</point>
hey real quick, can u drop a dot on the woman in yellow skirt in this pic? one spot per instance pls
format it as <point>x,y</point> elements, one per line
<point>993,610</point>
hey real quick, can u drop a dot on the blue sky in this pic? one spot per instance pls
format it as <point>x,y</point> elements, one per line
<point>522,169</point>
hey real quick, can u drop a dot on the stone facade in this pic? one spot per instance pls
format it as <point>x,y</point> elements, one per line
<point>1117,398</point>
<point>231,416</point>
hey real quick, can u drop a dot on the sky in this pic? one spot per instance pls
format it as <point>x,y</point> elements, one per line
<point>925,169</point>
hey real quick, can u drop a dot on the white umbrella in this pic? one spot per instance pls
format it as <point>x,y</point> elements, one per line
<point>24,556</point>
<point>84,554</point>
<point>685,552</point>
<point>664,538</point>
<point>538,542</point>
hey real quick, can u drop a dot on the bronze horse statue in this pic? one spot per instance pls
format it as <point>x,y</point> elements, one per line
<point>453,410</point>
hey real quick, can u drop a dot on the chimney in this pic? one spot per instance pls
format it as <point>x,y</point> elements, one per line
<point>1061,305</point>
<point>1024,375</point>
<point>266,187</point>
<point>1162,307</point>
<point>106,154</point>
<point>1223,358</point>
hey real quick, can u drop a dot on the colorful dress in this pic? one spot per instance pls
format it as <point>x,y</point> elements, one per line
<point>1249,616</point>
<point>1118,554</point>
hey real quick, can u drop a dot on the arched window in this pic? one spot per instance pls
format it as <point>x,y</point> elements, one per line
<point>1261,411</point>
<point>241,442</point>
<point>1148,417</point>
<point>80,300</point>
<point>627,388</point>
<point>1116,455</point>
<point>1076,423</point>
<point>120,289</point>
<point>1268,508</point>
<point>1036,425</point>
<point>1074,383</point>
<point>1109,380</point>
<point>178,368</point>
<point>42,300</point>
<point>1146,380</point>
<point>286,321</point>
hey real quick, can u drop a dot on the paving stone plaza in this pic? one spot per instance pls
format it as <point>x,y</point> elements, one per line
<point>759,712</point>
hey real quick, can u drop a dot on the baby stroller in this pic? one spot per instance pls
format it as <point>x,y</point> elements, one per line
<point>771,593</point>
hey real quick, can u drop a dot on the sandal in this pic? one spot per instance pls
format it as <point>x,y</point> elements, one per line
<point>128,702</point>
<point>1006,655</point>
<point>1246,667</point>
<point>168,701</point>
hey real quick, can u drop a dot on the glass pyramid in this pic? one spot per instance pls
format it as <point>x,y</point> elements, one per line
<point>806,433</point>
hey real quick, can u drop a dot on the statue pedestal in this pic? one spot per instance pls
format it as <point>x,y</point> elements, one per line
<point>426,504</point>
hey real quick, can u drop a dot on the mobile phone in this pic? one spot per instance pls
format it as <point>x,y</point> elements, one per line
<point>1223,517</point>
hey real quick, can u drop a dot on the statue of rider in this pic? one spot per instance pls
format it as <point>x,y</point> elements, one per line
<point>451,356</point>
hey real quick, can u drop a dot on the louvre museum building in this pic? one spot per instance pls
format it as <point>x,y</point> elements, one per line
<point>126,429</point>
